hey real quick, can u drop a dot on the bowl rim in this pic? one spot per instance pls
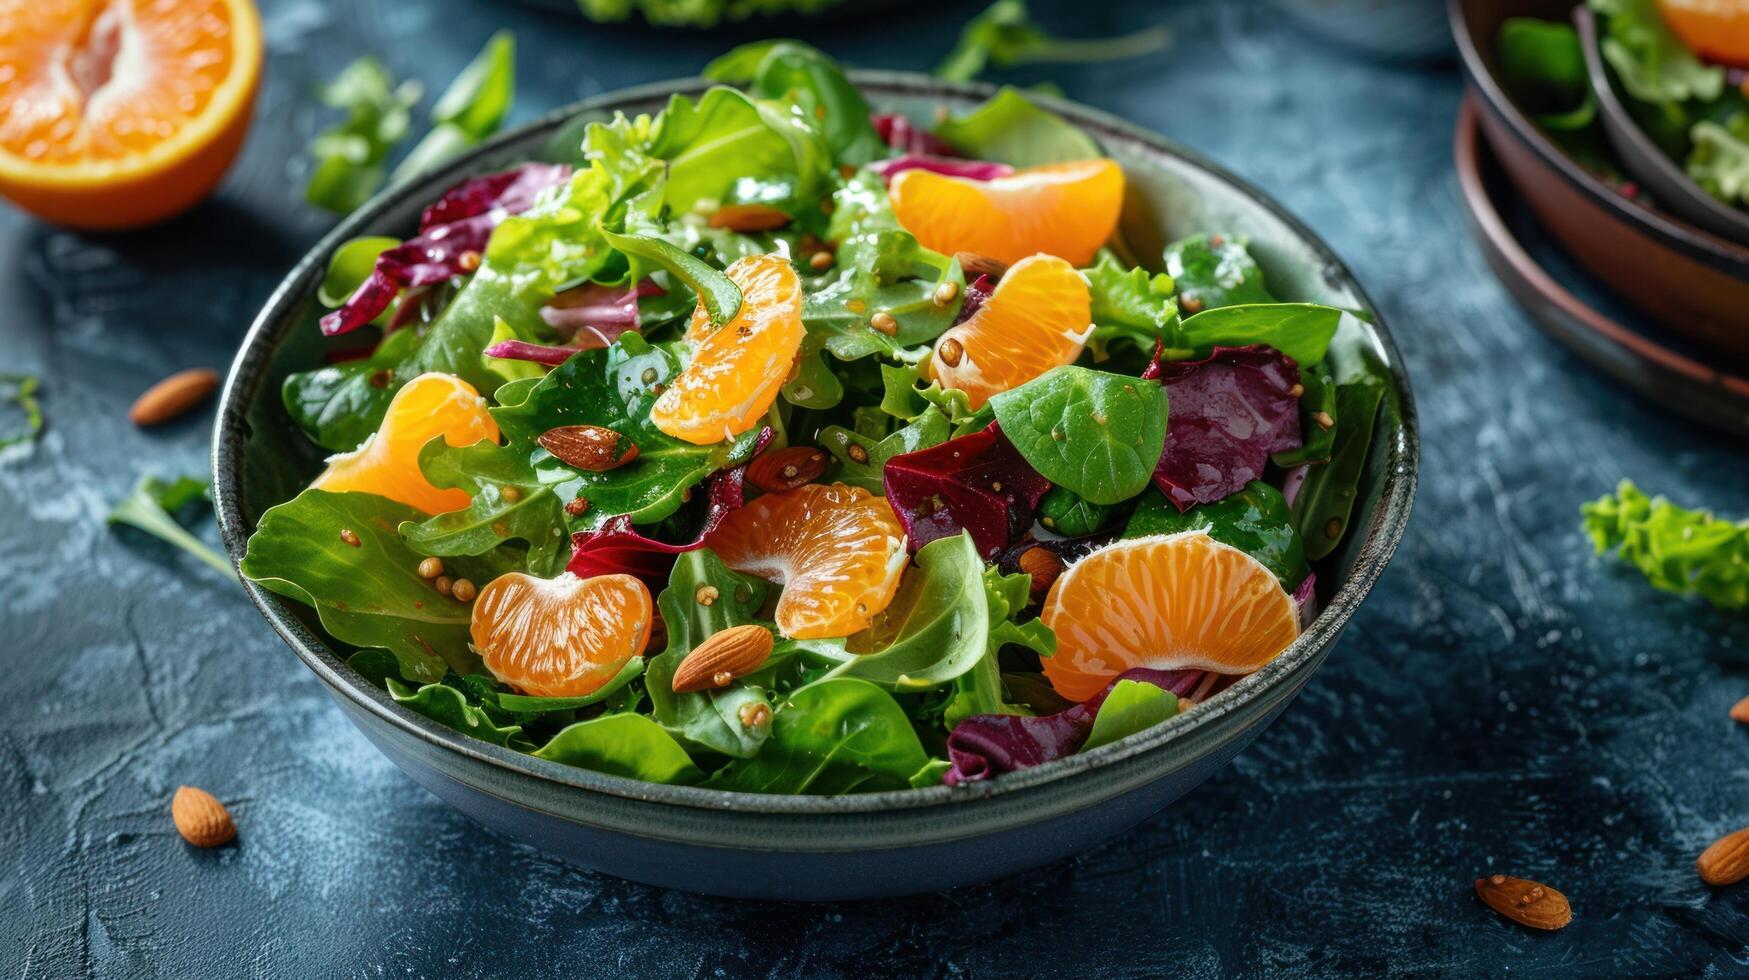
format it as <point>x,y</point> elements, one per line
<point>1673,233</point>
<point>254,354</point>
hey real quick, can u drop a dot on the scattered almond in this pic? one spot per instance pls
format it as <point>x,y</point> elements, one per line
<point>200,818</point>
<point>1525,902</point>
<point>748,217</point>
<point>1726,860</point>
<point>1740,711</point>
<point>1043,565</point>
<point>975,265</point>
<point>173,396</point>
<point>722,657</point>
<point>786,468</point>
<point>588,447</point>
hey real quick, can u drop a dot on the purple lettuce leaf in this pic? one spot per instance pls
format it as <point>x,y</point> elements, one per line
<point>599,312</point>
<point>983,746</point>
<point>970,169</point>
<point>978,483</point>
<point>1228,413</point>
<point>444,249</point>
<point>897,132</point>
<point>522,350</point>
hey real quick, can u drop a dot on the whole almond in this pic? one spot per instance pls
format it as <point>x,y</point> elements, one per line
<point>975,265</point>
<point>200,818</point>
<point>588,447</point>
<point>1525,902</point>
<point>748,217</point>
<point>722,657</point>
<point>1043,565</point>
<point>786,468</point>
<point>173,396</point>
<point>1740,711</point>
<point>1726,860</point>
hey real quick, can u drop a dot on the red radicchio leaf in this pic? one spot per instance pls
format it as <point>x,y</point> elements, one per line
<point>522,350</point>
<point>459,224</point>
<point>989,745</point>
<point>897,132</point>
<point>978,483</point>
<point>970,169</point>
<point>600,313</point>
<point>978,292</point>
<point>618,547</point>
<point>1306,601</point>
<point>1229,412</point>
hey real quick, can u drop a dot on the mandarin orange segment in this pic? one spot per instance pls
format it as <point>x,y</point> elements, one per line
<point>1169,602</point>
<point>736,370</point>
<point>838,552</point>
<point>560,637</point>
<point>387,463</point>
<point>1062,209</point>
<point>115,113</point>
<point>1039,317</point>
<point>1717,30</point>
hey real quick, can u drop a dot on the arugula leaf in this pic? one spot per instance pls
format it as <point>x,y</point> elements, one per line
<point>1256,520</point>
<point>471,109</point>
<point>835,735</point>
<point>150,506</point>
<point>448,706</point>
<point>1688,552</point>
<point>1719,162</point>
<point>1651,62</point>
<point>1073,516</point>
<point>1302,331</point>
<point>935,629</point>
<point>629,745</point>
<point>350,156</point>
<point>1098,434</point>
<point>793,71</point>
<point>1211,271</point>
<point>862,460</point>
<point>979,691</point>
<point>1131,707</point>
<point>1317,406</point>
<point>719,294</point>
<point>1010,128</point>
<point>23,394</point>
<point>1004,35</point>
<point>1326,500</point>
<point>509,503</point>
<point>883,272</point>
<point>368,595</point>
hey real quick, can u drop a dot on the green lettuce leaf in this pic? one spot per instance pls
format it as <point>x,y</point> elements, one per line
<point>350,157</point>
<point>936,628</point>
<point>1302,331</point>
<point>152,507</point>
<point>1651,62</point>
<point>804,76</point>
<point>1131,707</point>
<point>448,706</point>
<point>629,745</point>
<point>1688,552</point>
<point>510,503</point>
<point>1211,271</point>
<point>836,735</point>
<point>471,109</point>
<point>1719,162</point>
<point>1012,129</point>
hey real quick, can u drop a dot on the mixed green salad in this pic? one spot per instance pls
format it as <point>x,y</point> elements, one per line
<point>771,444</point>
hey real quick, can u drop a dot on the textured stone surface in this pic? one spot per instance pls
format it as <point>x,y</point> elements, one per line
<point>1504,702</point>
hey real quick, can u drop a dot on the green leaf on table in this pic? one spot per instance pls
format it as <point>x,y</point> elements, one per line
<point>1004,36</point>
<point>1719,161</point>
<point>351,265</point>
<point>350,157</point>
<point>1256,520</point>
<point>369,594</point>
<point>1131,707</point>
<point>1211,271</point>
<point>1326,500</point>
<point>151,507</point>
<point>509,503</point>
<point>1011,128</point>
<point>20,390</point>
<point>793,71</point>
<point>1068,513</point>
<point>448,706</point>
<point>1687,552</point>
<point>624,744</point>
<point>1098,434</point>
<point>836,735</point>
<point>862,459</point>
<point>1302,331</point>
<point>1651,62</point>
<point>935,629</point>
<point>719,294</point>
<point>471,109</point>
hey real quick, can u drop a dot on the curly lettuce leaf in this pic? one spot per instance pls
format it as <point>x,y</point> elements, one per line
<point>1688,552</point>
<point>1719,162</point>
<point>1651,62</point>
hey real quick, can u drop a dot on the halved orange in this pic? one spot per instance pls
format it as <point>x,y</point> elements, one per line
<point>387,463</point>
<point>1169,602</point>
<point>118,113</point>
<point>560,637</point>
<point>837,550</point>
<point>1714,29</point>
<point>1039,317</point>
<point>736,370</point>
<point>1062,209</point>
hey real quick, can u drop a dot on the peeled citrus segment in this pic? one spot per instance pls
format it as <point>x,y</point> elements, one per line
<point>387,463</point>
<point>1062,209</point>
<point>1169,602</point>
<point>560,637</point>
<point>1717,30</point>
<point>737,369</point>
<point>837,550</point>
<point>117,113</point>
<point>1039,317</point>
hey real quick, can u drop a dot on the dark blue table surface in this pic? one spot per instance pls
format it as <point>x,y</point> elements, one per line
<point>1504,701</point>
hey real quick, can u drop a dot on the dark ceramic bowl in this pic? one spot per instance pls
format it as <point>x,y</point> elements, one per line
<point>1690,281</point>
<point>826,847</point>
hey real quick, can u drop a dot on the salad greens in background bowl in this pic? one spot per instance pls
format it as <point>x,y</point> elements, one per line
<point>847,783</point>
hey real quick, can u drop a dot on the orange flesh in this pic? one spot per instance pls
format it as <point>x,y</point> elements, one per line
<point>1168,602</point>
<point>1717,30</point>
<point>1038,318</point>
<point>1063,209</point>
<point>563,637</point>
<point>837,550</point>
<point>387,464</point>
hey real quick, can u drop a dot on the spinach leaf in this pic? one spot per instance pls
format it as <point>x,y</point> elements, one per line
<point>629,745</point>
<point>1010,128</point>
<point>862,460</point>
<point>1068,513</point>
<point>883,272</point>
<point>339,405</point>
<point>369,594</point>
<point>793,71</point>
<point>448,706</point>
<point>778,156</point>
<point>1256,520</point>
<point>1687,552</point>
<point>1004,35</point>
<point>471,109</point>
<point>815,384</point>
<point>1544,64</point>
<point>1302,331</point>
<point>524,703</point>
<point>1317,418</point>
<point>1326,499</point>
<point>150,506</point>
<point>720,296</point>
<point>935,629</point>
<point>1212,271</point>
<point>509,503</point>
<point>1098,434</point>
<point>835,735</point>
<point>1131,707</point>
<point>350,156</point>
